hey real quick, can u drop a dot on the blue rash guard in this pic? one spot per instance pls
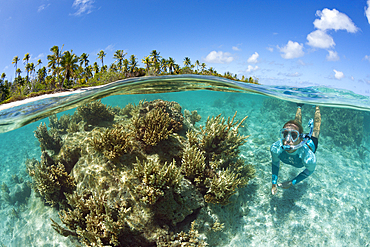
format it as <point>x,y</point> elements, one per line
<point>302,157</point>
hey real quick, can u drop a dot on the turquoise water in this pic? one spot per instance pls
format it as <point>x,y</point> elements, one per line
<point>329,208</point>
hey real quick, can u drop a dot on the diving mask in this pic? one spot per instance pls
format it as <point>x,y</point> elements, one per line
<point>289,134</point>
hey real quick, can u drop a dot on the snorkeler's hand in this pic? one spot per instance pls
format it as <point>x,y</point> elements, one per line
<point>286,185</point>
<point>274,189</point>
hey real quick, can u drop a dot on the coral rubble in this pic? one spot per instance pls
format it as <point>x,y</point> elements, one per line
<point>134,175</point>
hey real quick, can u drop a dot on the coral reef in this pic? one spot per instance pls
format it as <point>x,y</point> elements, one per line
<point>49,140</point>
<point>190,239</point>
<point>114,142</point>
<point>65,124</point>
<point>153,127</point>
<point>172,109</point>
<point>50,180</point>
<point>221,140</point>
<point>94,113</point>
<point>133,176</point>
<point>155,178</point>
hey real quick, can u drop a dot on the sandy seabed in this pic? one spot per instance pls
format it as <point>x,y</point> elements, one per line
<point>330,208</point>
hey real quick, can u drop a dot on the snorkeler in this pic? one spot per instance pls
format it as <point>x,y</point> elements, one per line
<point>295,148</point>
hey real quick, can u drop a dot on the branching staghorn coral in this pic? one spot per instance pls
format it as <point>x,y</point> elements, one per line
<point>99,220</point>
<point>155,178</point>
<point>210,159</point>
<point>50,180</point>
<point>49,140</point>
<point>113,143</point>
<point>222,187</point>
<point>194,164</point>
<point>153,127</point>
<point>95,112</point>
<point>220,138</point>
<point>65,124</point>
<point>190,239</point>
<point>93,220</point>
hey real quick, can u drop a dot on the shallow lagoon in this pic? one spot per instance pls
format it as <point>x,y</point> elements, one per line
<point>330,208</point>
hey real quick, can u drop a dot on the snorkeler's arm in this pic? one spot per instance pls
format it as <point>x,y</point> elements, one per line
<point>275,148</point>
<point>310,163</point>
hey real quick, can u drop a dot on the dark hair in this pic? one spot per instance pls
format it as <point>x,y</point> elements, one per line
<point>294,122</point>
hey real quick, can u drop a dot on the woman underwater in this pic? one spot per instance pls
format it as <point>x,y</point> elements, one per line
<point>296,149</point>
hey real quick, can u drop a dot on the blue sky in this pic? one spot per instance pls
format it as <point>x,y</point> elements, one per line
<point>297,43</point>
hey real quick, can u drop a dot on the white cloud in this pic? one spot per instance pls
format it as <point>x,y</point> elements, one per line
<point>219,57</point>
<point>367,11</point>
<point>332,56</point>
<point>251,68</point>
<point>253,58</point>
<point>292,50</point>
<point>296,74</point>
<point>367,57</point>
<point>270,49</point>
<point>301,62</point>
<point>41,55</point>
<point>320,39</point>
<point>235,48</point>
<point>338,74</point>
<point>109,48</point>
<point>83,6</point>
<point>42,7</point>
<point>333,19</point>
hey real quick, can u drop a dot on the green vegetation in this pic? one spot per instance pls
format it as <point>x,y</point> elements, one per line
<point>67,71</point>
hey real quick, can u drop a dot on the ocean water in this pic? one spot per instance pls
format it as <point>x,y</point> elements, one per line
<point>329,208</point>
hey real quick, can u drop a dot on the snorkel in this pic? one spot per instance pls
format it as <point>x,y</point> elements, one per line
<point>305,137</point>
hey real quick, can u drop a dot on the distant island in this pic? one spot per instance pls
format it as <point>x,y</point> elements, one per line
<point>65,71</point>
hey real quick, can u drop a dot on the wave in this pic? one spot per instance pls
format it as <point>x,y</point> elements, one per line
<point>28,112</point>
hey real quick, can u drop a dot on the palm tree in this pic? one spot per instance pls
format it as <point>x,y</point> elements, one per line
<point>84,59</point>
<point>15,62</point>
<point>125,65</point>
<point>171,64</point>
<point>101,55</point>
<point>31,69</point>
<point>187,62</point>
<point>3,75</point>
<point>41,74</point>
<point>132,64</point>
<point>69,64</point>
<point>203,66</point>
<point>164,65</point>
<point>26,59</point>
<point>88,72</point>
<point>96,68</point>
<point>147,62</point>
<point>27,69</point>
<point>54,62</point>
<point>176,68</point>
<point>197,64</point>
<point>119,56</point>
<point>38,62</point>
<point>154,55</point>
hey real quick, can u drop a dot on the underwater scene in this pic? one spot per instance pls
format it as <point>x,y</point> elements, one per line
<point>182,161</point>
